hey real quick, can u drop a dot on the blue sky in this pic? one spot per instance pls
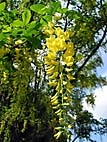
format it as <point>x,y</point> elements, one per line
<point>103,70</point>
<point>100,109</point>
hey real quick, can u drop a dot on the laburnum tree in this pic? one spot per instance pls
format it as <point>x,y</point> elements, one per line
<point>49,54</point>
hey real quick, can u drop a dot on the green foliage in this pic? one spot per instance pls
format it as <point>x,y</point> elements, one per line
<point>18,23</point>
<point>38,8</point>
<point>26,111</point>
<point>26,16</point>
<point>2,6</point>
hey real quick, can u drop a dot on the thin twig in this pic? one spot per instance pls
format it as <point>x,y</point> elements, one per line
<point>92,53</point>
<point>75,138</point>
<point>66,21</point>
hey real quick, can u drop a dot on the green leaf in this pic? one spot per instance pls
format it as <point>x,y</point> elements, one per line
<point>38,8</point>
<point>47,18</point>
<point>32,25</point>
<point>63,10</point>
<point>36,43</point>
<point>56,5</point>
<point>72,15</point>
<point>2,6</point>
<point>17,32</point>
<point>26,16</point>
<point>17,23</point>
<point>2,36</point>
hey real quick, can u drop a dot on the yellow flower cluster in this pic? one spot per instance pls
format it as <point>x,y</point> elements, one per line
<point>60,56</point>
<point>59,61</point>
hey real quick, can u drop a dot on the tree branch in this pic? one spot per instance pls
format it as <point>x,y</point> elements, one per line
<point>92,53</point>
<point>66,21</point>
<point>75,138</point>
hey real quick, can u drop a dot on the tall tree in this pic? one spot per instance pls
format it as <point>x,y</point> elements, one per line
<point>49,56</point>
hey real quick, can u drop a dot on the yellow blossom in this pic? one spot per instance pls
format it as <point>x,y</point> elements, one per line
<point>49,42</point>
<point>54,98</point>
<point>61,91</point>
<point>65,104</point>
<point>54,62</point>
<point>71,45</point>
<point>53,83</point>
<point>56,107</point>
<point>49,29</point>
<point>57,135</point>
<point>60,53</point>
<point>64,82</point>
<point>69,64</point>
<point>65,98</point>
<point>48,67</point>
<point>69,86</point>
<point>70,77</point>
<point>18,42</point>
<point>51,55</point>
<point>61,76</point>
<point>58,87</point>
<point>55,102</point>
<point>60,43</point>
<point>69,126</point>
<point>17,50</point>
<point>55,74</point>
<point>58,111</point>
<point>59,31</point>
<point>68,69</point>
<point>4,75</point>
<point>69,60</point>
<point>70,50</point>
<point>68,99</point>
<point>66,35</point>
<point>50,24</point>
<point>52,44</point>
<point>50,70</point>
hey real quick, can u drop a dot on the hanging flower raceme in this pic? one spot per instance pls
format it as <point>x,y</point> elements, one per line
<point>59,61</point>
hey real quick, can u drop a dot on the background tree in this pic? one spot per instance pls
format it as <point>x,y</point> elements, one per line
<point>25,107</point>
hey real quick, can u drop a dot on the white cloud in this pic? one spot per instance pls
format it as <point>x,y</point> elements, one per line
<point>105,74</point>
<point>100,108</point>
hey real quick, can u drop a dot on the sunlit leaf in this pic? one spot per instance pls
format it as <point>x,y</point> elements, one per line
<point>26,15</point>
<point>2,6</point>
<point>17,23</point>
<point>38,8</point>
